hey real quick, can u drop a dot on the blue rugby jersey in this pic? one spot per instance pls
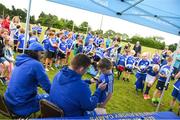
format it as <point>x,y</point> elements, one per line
<point>130,61</point>
<point>109,79</point>
<point>62,46</point>
<point>100,52</point>
<point>45,42</point>
<point>121,60</point>
<point>51,42</point>
<point>21,39</point>
<point>32,39</point>
<point>89,48</point>
<point>150,71</point>
<point>164,70</point>
<point>143,65</point>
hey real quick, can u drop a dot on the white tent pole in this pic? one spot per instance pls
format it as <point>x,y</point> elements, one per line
<point>100,28</point>
<point>169,75</point>
<point>27,24</point>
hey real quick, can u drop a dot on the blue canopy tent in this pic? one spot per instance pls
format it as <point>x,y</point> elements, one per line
<point>163,15</point>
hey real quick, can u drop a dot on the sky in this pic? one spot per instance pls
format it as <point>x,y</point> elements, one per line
<point>94,19</point>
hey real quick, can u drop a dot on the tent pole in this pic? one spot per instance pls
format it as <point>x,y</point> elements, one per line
<point>100,28</point>
<point>169,75</point>
<point>27,24</point>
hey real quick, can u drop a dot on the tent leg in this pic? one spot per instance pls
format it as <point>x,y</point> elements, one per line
<point>27,24</point>
<point>169,75</point>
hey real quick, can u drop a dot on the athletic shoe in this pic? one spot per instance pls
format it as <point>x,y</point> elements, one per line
<point>148,97</point>
<point>145,96</point>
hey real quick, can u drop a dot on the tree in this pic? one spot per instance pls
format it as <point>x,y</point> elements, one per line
<point>172,47</point>
<point>125,36</point>
<point>98,32</point>
<point>32,19</point>
<point>110,33</point>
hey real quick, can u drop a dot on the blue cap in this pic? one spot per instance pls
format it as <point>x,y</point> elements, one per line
<point>35,46</point>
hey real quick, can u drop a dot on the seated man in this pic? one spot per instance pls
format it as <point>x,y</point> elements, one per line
<point>70,92</point>
<point>21,95</point>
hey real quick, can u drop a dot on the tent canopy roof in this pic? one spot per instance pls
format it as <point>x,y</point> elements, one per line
<point>163,15</point>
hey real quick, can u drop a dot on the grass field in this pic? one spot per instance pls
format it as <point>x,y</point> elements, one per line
<point>124,97</point>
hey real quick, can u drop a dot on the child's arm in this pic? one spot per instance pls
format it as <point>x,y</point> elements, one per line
<point>18,45</point>
<point>107,99</point>
<point>161,75</point>
<point>52,44</point>
<point>177,75</point>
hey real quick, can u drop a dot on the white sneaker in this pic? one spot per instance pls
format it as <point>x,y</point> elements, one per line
<point>52,68</point>
<point>47,70</point>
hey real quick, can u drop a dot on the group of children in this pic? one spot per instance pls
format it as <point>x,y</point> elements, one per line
<point>59,46</point>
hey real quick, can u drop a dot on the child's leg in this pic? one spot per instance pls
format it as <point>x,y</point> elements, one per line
<point>46,63</point>
<point>179,109</point>
<point>63,61</point>
<point>148,86</point>
<point>128,75</point>
<point>173,102</point>
<point>159,95</point>
<point>154,96</point>
<point>6,67</point>
<point>50,62</point>
<point>123,74</point>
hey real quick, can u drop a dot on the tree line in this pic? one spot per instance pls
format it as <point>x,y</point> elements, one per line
<point>53,21</point>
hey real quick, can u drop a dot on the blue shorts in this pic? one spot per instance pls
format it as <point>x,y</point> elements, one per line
<point>2,60</point>
<point>140,78</point>
<point>176,94</point>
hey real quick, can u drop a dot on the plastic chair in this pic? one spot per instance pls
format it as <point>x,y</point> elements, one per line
<point>4,109</point>
<point>48,109</point>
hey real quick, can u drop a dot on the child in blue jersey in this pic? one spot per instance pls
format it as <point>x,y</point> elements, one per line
<point>100,41</point>
<point>89,49</point>
<point>120,64</point>
<point>32,37</point>
<point>129,65</point>
<point>152,74</point>
<point>39,30</point>
<point>156,59</point>
<point>99,54</point>
<point>106,76</point>
<point>15,37</point>
<point>51,52</point>
<point>61,52</point>
<point>163,74</point>
<point>176,93</point>
<point>79,46</point>
<point>108,42</point>
<point>70,44</point>
<point>142,67</point>
<point>21,39</point>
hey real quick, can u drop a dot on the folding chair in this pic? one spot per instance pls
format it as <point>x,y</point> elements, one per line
<point>4,109</point>
<point>48,109</point>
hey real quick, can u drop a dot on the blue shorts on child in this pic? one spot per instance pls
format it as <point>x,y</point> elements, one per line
<point>176,94</point>
<point>176,91</point>
<point>140,78</point>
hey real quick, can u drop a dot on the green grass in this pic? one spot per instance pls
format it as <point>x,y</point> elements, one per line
<point>124,97</point>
